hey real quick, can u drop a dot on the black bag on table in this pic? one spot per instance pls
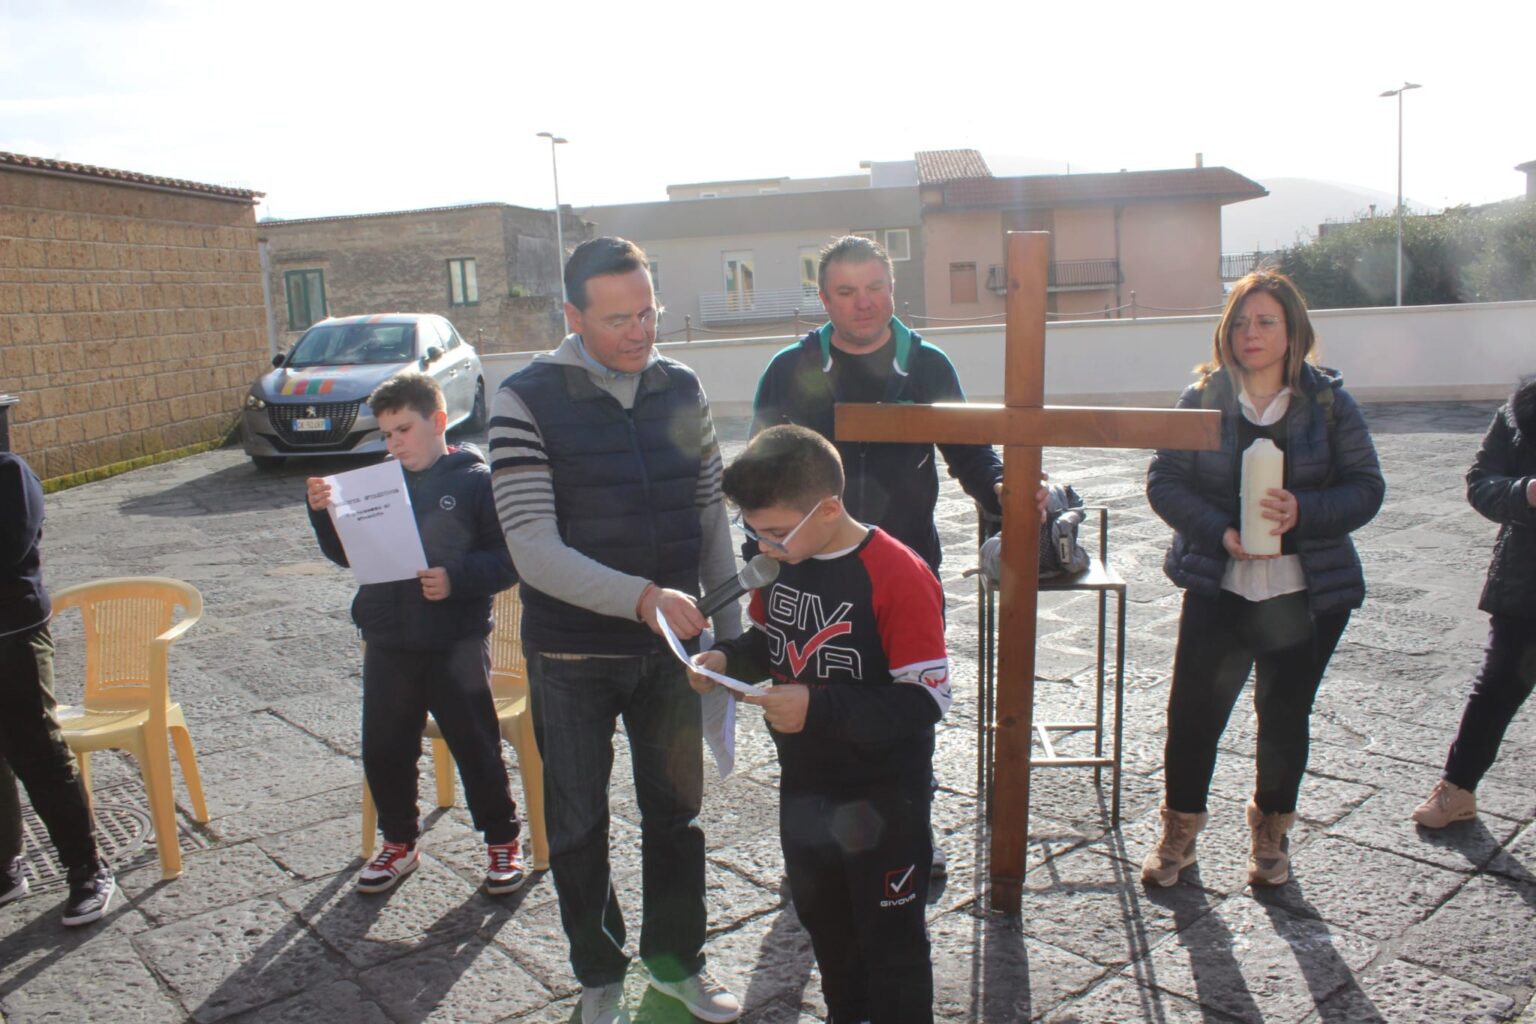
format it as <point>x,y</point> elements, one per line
<point>1060,552</point>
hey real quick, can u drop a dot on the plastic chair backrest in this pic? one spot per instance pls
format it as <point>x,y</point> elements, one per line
<point>509,672</point>
<point>122,620</point>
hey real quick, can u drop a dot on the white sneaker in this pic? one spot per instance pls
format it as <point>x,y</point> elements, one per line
<point>384,872</point>
<point>603,1004</point>
<point>702,996</point>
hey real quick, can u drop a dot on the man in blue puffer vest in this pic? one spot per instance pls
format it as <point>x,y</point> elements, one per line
<point>607,480</point>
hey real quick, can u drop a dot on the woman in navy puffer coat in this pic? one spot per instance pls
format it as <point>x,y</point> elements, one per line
<point>1276,616</point>
<point>1502,486</point>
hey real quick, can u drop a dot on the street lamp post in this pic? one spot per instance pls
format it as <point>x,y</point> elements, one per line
<point>1399,94</point>
<point>554,167</point>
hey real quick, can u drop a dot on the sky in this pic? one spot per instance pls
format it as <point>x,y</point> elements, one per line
<point>339,106</point>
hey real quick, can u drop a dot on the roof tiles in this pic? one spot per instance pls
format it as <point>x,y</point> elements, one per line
<point>65,167</point>
<point>936,166</point>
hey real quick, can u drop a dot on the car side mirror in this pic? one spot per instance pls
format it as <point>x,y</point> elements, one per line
<point>279,359</point>
<point>433,355</point>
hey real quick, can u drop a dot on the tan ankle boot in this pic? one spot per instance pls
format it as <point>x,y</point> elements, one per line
<point>1175,851</point>
<point>1269,858</point>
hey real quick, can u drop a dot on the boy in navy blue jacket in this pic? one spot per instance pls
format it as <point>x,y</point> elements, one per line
<point>427,641</point>
<point>852,636</point>
<point>31,744</point>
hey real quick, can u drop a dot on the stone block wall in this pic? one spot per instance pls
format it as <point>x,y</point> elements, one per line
<point>131,317</point>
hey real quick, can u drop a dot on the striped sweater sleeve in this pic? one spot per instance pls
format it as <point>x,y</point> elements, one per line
<point>525,503</point>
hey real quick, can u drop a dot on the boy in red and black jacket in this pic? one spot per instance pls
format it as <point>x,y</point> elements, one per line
<point>852,637</point>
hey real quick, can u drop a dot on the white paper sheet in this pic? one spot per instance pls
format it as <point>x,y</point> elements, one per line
<point>372,512</point>
<point>682,656</point>
<point>718,705</point>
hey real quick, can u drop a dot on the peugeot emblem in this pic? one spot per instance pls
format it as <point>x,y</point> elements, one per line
<point>309,410</point>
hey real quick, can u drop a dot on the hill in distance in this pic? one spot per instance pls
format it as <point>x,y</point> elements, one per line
<point>1295,207</point>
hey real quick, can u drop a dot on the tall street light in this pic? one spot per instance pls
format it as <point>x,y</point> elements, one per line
<point>1399,94</point>
<point>554,167</point>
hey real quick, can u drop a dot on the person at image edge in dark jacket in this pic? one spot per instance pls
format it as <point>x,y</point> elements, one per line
<point>427,640</point>
<point>31,743</point>
<point>1502,486</point>
<point>1278,616</point>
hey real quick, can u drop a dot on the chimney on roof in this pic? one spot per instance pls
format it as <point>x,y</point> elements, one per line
<point>1529,169</point>
<point>1199,159</point>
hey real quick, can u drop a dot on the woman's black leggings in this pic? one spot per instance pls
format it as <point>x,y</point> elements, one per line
<point>1221,640</point>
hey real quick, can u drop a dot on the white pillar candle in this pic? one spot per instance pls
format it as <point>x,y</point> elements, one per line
<point>1263,468</point>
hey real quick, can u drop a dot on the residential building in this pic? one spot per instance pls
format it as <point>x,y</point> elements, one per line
<point>131,313</point>
<point>1132,243</point>
<point>491,268</point>
<point>738,258</point>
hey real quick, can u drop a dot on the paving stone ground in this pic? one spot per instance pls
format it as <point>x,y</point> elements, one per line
<point>1381,922</point>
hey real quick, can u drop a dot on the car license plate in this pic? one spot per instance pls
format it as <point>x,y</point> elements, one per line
<point>312,424</point>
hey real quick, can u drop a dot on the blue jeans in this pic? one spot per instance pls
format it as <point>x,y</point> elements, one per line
<point>576,703</point>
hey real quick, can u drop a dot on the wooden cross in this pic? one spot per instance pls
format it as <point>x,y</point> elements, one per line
<point>1023,424</point>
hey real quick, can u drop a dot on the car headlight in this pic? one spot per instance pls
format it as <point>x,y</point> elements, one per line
<point>254,401</point>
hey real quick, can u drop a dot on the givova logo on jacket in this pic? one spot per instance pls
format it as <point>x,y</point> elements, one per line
<point>802,613</point>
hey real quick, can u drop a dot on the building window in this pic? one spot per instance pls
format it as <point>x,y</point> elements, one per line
<point>873,236</point>
<point>740,279</point>
<point>306,297</point>
<point>810,262</point>
<point>463,288</point>
<point>656,276</point>
<point>962,282</point>
<point>898,243</point>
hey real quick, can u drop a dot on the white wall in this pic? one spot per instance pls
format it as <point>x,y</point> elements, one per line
<point>1434,353</point>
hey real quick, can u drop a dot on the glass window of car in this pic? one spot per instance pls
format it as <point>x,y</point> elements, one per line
<point>355,343</point>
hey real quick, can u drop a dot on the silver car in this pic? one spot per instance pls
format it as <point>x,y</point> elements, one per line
<point>313,402</point>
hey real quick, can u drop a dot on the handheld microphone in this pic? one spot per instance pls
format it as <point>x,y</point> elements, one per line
<point>759,572</point>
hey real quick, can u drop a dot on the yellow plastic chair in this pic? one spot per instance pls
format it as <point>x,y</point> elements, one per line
<point>509,689</point>
<point>129,629</point>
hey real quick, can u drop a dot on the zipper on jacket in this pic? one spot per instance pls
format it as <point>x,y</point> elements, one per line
<point>645,482</point>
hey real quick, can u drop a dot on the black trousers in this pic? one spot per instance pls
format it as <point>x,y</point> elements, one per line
<point>1506,680</point>
<point>858,875</point>
<point>1221,640</point>
<point>33,748</point>
<point>399,688</point>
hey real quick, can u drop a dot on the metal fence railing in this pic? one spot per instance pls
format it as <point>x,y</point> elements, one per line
<point>760,304</point>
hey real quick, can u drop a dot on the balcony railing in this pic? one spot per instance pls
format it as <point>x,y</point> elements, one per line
<point>760,304</point>
<point>1238,264</point>
<point>1064,276</point>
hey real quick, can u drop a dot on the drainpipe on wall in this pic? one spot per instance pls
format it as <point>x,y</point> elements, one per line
<point>266,297</point>
<point>1119,272</point>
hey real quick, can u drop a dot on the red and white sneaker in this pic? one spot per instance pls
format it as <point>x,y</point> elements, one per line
<point>507,872</point>
<point>386,870</point>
